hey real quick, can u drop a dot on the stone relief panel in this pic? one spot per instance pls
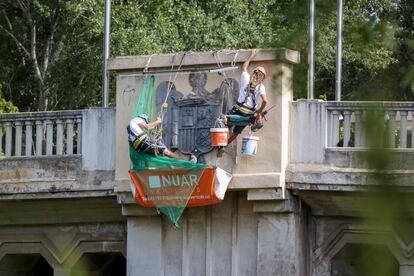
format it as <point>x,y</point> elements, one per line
<point>170,122</point>
<point>190,115</point>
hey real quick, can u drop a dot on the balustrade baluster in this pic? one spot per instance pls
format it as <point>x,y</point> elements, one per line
<point>347,128</point>
<point>1,140</point>
<point>18,132</point>
<point>403,129</point>
<point>49,137</point>
<point>18,139</point>
<point>39,137</point>
<point>79,138</point>
<point>28,138</point>
<point>334,128</point>
<point>391,129</point>
<point>412,129</point>
<point>59,137</point>
<point>8,138</point>
<point>357,134</point>
<point>69,136</point>
<point>364,128</point>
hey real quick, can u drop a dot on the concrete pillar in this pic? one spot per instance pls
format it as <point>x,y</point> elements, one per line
<point>308,132</point>
<point>282,242</point>
<point>49,137</point>
<point>59,137</point>
<point>278,243</point>
<point>8,126</point>
<point>18,139</point>
<point>60,272</point>
<point>69,136</point>
<point>98,139</point>
<point>406,270</point>
<point>144,246</point>
<point>39,137</point>
<point>28,139</point>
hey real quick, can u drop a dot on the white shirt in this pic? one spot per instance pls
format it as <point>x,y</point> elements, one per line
<point>258,91</point>
<point>135,128</point>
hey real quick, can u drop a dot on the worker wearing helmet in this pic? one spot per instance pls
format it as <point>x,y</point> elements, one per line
<point>251,89</point>
<point>139,140</point>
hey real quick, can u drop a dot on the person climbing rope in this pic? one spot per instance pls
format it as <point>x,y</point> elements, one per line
<point>138,138</point>
<point>251,88</point>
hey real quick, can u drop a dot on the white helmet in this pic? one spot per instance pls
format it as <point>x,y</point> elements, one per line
<point>144,116</point>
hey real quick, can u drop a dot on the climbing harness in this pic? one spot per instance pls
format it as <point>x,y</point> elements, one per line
<point>243,109</point>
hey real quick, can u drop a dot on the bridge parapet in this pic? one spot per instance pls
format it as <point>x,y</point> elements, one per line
<point>67,151</point>
<point>342,147</point>
<point>348,124</point>
<point>41,133</point>
<point>319,127</point>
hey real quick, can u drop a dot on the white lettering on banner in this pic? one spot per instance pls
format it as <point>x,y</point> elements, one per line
<point>156,181</point>
<point>193,179</point>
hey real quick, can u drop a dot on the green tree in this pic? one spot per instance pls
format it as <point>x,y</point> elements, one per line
<point>376,47</point>
<point>6,106</point>
<point>32,26</point>
<point>369,29</point>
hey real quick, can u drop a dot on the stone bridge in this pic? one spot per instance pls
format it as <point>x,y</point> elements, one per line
<point>303,206</point>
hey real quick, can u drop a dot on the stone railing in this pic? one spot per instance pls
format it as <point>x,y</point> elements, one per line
<point>348,124</point>
<point>317,126</point>
<point>41,133</point>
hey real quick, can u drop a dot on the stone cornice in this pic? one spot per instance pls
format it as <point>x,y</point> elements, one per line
<point>191,59</point>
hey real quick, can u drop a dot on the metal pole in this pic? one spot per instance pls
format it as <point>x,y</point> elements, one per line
<point>107,30</point>
<point>311,48</point>
<point>339,54</point>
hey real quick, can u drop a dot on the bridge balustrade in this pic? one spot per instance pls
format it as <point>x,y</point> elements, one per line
<point>41,133</point>
<point>349,124</point>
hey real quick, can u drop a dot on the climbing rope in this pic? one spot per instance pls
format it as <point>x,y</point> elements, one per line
<point>229,84</point>
<point>157,138</point>
<point>147,64</point>
<point>233,63</point>
<point>171,83</point>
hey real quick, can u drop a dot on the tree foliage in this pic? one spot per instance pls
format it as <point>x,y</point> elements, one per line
<point>6,106</point>
<point>62,70</point>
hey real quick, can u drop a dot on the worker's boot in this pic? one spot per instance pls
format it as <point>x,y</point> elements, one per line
<point>258,123</point>
<point>192,158</point>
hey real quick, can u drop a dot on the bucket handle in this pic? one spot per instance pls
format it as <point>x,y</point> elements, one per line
<point>219,123</point>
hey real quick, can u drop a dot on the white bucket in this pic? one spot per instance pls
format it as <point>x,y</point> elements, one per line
<point>249,145</point>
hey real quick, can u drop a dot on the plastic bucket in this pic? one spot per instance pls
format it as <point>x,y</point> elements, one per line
<point>219,137</point>
<point>249,145</point>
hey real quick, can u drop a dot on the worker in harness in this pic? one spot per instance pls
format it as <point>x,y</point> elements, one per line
<point>251,89</point>
<point>139,140</point>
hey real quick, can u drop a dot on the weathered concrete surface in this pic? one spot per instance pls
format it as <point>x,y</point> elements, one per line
<point>266,170</point>
<point>307,131</point>
<point>98,139</point>
<point>62,245</point>
<point>334,180</point>
<point>214,240</point>
<point>61,230</point>
<point>55,211</point>
<point>330,177</point>
<point>90,174</point>
<point>231,238</point>
<point>406,270</point>
<point>333,234</point>
<point>205,58</point>
<point>53,176</point>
